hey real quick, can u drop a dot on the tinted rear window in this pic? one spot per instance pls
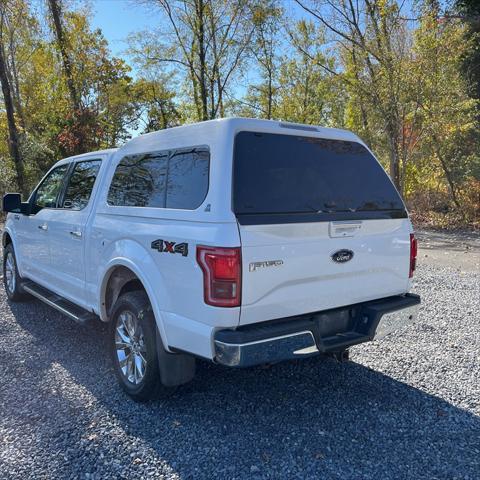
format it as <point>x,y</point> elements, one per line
<point>187,182</point>
<point>166,179</point>
<point>295,178</point>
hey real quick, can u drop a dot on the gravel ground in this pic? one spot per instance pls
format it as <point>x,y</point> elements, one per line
<point>407,406</point>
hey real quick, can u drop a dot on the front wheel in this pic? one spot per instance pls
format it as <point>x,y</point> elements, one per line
<point>11,277</point>
<point>133,347</point>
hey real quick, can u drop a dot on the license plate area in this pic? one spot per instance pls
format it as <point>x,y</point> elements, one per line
<point>344,229</point>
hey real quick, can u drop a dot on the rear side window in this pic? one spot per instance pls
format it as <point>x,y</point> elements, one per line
<point>139,181</point>
<point>287,178</point>
<point>187,182</point>
<point>167,179</point>
<point>80,184</point>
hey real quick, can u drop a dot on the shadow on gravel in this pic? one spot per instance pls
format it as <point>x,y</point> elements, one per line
<point>308,419</point>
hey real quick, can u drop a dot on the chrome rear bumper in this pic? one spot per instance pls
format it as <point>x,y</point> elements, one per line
<point>319,332</point>
<point>393,321</point>
<point>268,350</point>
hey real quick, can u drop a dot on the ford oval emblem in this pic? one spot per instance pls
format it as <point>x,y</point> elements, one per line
<point>342,256</point>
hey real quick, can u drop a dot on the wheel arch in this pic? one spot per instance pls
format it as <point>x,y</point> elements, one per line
<point>118,280</point>
<point>121,276</point>
<point>174,368</point>
<point>8,238</point>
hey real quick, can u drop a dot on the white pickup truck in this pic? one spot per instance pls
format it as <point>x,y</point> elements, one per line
<point>239,241</point>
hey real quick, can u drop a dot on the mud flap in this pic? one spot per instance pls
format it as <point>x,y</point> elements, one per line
<point>175,368</point>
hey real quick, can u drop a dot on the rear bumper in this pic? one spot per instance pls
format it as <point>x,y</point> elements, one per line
<point>311,334</point>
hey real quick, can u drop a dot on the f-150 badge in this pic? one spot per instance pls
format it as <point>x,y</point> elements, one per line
<point>170,247</point>
<point>267,263</point>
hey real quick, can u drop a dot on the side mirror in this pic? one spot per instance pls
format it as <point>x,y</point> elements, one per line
<point>26,208</point>
<point>12,202</point>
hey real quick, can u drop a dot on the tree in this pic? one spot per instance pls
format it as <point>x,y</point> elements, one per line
<point>13,135</point>
<point>63,47</point>
<point>102,109</point>
<point>308,91</point>
<point>402,75</point>
<point>469,11</point>
<point>447,131</point>
<point>209,40</point>
<point>156,101</point>
<point>373,38</point>
<point>264,48</point>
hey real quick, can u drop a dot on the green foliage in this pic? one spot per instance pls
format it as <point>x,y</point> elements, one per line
<point>409,89</point>
<point>470,12</point>
<point>446,126</point>
<point>50,128</point>
<point>308,92</point>
<point>157,103</point>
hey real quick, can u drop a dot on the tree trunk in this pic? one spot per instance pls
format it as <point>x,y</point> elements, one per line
<point>363,111</point>
<point>306,88</point>
<point>200,11</point>
<point>13,144</point>
<point>448,175</point>
<point>13,79</point>
<point>394,161</point>
<point>269,93</point>
<point>217,106</point>
<point>394,169</point>
<point>55,10</point>
<point>163,115</point>
<point>212,98</point>
<point>196,99</point>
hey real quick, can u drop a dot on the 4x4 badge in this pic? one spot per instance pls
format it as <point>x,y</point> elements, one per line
<point>170,247</point>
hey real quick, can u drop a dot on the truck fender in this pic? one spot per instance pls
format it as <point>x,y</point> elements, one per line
<point>8,232</point>
<point>126,262</point>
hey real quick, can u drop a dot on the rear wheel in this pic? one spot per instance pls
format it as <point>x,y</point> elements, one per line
<point>133,347</point>
<point>11,277</point>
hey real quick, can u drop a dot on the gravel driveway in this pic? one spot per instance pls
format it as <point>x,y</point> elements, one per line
<point>404,407</point>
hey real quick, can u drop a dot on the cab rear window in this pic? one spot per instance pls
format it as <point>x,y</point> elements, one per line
<point>289,178</point>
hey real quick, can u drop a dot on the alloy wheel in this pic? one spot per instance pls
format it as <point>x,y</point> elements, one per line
<point>10,273</point>
<point>130,347</point>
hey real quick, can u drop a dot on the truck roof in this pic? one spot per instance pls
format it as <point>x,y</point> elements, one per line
<point>107,151</point>
<point>211,131</point>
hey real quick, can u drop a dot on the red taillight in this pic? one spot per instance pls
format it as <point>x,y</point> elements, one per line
<point>222,275</point>
<point>413,254</point>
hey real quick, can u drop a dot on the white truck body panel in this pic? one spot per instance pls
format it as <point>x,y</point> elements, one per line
<point>308,280</point>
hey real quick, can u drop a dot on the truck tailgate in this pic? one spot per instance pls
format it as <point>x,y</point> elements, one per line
<point>288,269</point>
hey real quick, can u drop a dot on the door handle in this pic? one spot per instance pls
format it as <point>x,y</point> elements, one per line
<point>44,227</point>
<point>76,234</point>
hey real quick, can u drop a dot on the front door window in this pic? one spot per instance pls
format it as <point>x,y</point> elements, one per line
<point>49,190</point>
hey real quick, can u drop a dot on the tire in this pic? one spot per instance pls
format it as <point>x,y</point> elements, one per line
<point>11,278</point>
<point>132,340</point>
<point>342,355</point>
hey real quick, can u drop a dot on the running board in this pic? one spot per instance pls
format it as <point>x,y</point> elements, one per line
<point>76,313</point>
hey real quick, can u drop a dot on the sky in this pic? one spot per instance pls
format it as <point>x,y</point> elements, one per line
<point>117,19</point>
